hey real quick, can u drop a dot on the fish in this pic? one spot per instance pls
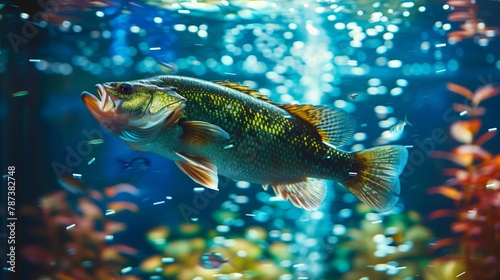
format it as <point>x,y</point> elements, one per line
<point>169,68</point>
<point>353,96</point>
<point>71,184</point>
<point>212,260</point>
<point>400,126</point>
<point>225,128</point>
<point>76,187</point>
<point>135,164</point>
<point>20,93</point>
<point>97,141</point>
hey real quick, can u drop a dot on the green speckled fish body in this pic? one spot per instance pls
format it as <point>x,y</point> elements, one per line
<point>211,128</point>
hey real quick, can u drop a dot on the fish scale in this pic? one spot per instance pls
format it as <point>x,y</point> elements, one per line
<point>211,128</point>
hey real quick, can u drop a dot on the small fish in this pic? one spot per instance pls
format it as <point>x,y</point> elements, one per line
<point>353,96</point>
<point>212,261</point>
<point>20,93</point>
<point>95,141</point>
<point>71,184</point>
<point>400,126</point>
<point>135,164</point>
<point>166,67</point>
<point>291,147</point>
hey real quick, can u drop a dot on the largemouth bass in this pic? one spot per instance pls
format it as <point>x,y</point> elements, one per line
<point>211,128</point>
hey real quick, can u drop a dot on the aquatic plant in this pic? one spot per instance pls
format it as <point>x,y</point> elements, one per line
<point>250,253</point>
<point>392,246</point>
<point>473,26</point>
<point>76,242</point>
<point>474,188</point>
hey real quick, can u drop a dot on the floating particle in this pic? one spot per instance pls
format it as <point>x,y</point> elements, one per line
<point>198,190</point>
<point>242,184</point>
<point>35,60</point>
<point>167,260</point>
<point>109,237</point>
<point>95,141</point>
<point>91,161</point>
<point>229,73</point>
<point>184,12</point>
<point>168,197</point>
<point>408,146</point>
<point>460,274</point>
<point>288,116</point>
<point>70,226</point>
<point>77,176</point>
<point>353,96</point>
<point>228,146</point>
<point>241,199</point>
<point>440,70</point>
<point>463,113</point>
<point>250,215</point>
<point>155,48</point>
<point>440,45</point>
<point>298,265</point>
<point>353,173</point>
<point>20,93</point>
<point>109,212</point>
<point>492,129</point>
<point>126,269</point>
<point>376,222</point>
<point>159,202</point>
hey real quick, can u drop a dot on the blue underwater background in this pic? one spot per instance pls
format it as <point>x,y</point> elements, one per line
<point>143,218</point>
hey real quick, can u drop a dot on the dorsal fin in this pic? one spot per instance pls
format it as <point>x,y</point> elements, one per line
<point>335,127</point>
<point>244,89</point>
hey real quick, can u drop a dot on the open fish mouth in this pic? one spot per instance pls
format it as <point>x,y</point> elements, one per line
<point>105,103</point>
<point>106,109</point>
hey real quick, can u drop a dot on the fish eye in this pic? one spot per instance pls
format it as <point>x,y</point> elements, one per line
<point>126,88</point>
<point>112,84</point>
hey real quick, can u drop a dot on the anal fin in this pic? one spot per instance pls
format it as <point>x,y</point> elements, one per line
<point>200,169</point>
<point>308,194</point>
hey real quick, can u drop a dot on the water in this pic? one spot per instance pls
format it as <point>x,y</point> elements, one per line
<point>380,61</point>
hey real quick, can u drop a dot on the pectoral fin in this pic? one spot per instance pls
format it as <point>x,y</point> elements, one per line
<point>308,194</point>
<point>200,133</point>
<point>200,169</point>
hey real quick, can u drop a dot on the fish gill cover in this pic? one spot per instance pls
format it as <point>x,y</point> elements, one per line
<point>86,206</point>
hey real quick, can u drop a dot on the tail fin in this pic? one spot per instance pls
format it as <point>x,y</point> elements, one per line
<point>376,182</point>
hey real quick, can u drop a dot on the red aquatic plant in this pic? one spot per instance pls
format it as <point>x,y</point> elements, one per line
<point>481,94</point>
<point>473,26</point>
<point>70,241</point>
<point>474,188</point>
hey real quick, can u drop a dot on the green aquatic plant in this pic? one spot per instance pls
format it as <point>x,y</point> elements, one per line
<point>251,253</point>
<point>382,247</point>
<point>68,241</point>
<point>474,188</point>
